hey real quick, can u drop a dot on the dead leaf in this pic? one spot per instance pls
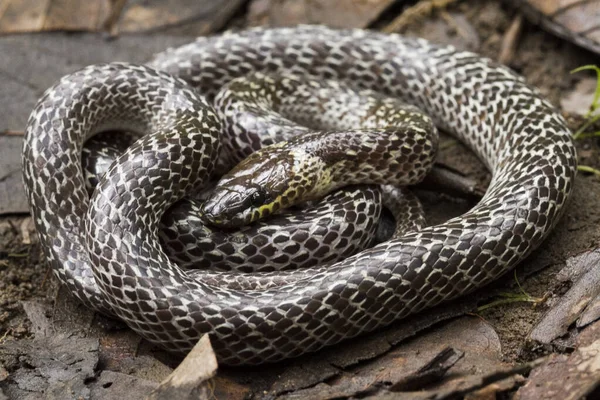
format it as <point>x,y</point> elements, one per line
<point>112,385</point>
<point>586,287</point>
<point>562,376</point>
<point>579,99</point>
<point>339,14</point>
<point>54,367</point>
<point>53,15</point>
<point>576,21</point>
<point>191,379</point>
<point>193,16</point>
<point>416,364</point>
<point>198,17</point>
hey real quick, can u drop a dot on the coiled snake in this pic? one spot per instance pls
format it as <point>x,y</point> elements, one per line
<point>106,249</point>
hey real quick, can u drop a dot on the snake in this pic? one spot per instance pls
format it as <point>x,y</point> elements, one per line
<point>106,249</point>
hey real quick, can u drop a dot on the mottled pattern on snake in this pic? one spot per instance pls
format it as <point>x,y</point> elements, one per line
<point>516,133</point>
<point>329,231</point>
<point>307,167</point>
<point>258,110</point>
<point>339,226</point>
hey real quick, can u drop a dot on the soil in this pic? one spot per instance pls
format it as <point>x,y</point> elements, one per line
<point>543,59</point>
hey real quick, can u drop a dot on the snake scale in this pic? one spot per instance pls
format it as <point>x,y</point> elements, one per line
<point>106,249</point>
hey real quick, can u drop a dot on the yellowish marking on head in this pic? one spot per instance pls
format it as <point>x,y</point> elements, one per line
<point>312,169</point>
<point>278,145</point>
<point>267,209</point>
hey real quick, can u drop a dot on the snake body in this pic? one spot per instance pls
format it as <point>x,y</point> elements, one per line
<point>107,251</point>
<point>258,110</point>
<point>329,231</point>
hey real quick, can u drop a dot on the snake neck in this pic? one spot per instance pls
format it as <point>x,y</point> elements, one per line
<point>311,166</point>
<point>311,177</point>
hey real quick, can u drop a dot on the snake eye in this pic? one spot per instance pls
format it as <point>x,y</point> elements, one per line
<point>258,198</point>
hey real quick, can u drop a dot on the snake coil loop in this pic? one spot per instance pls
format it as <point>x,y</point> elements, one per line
<point>106,249</point>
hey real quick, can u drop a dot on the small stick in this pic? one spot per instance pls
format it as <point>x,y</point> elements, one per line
<point>12,133</point>
<point>510,40</point>
<point>110,23</point>
<point>443,178</point>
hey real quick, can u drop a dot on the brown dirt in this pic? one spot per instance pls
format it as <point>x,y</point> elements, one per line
<point>543,59</point>
<point>23,275</point>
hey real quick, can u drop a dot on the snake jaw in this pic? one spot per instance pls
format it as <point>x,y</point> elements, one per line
<point>227,207</point>
<point>254,189</point>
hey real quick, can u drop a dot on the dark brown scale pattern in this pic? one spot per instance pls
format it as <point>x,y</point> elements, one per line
<point>402,203</point>
<point>259,110</point>
<point>337,227</point>
<point>374,139</point>
<point>516,133</point>
<point>100,152</point>
<point>329,231</point>
<point>308,167</point>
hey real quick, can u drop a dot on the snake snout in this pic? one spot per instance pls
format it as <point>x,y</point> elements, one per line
<point>224,207</point>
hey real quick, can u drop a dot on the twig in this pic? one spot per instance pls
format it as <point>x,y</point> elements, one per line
<point>24,228</point>
<point>3,338</point>
<point>45,277</point>
<point>12,133</point>
<point>454,24</point>
<point>510,40</point>
<point>110,23</point>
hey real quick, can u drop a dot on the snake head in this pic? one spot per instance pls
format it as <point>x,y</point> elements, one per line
<point>253,189</point>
